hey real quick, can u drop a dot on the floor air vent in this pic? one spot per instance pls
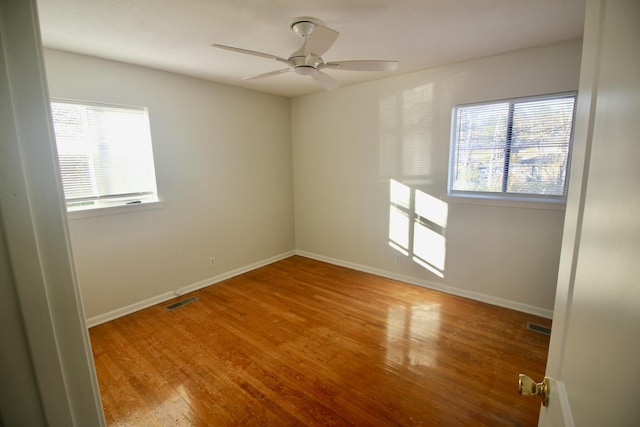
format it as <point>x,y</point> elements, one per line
<point>538,328</point>
<point>181,303</point>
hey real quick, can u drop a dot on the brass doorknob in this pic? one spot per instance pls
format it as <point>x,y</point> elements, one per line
<point>528,387</point>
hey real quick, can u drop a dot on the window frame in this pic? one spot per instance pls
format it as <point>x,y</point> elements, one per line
<point>111,203</point>
<point>503,195</point>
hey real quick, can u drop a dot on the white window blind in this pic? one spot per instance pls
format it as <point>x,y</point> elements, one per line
<point>105,154</point>
<point>513,148</point>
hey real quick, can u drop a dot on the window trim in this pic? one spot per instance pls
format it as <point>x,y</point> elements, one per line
<point>113,203</point>
<point>114,209</point>
<point>486,197</point>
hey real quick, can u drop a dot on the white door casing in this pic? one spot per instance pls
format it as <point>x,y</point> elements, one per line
<point>46,364</point>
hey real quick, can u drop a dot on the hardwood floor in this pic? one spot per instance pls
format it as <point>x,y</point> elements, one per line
<point>301,342</point>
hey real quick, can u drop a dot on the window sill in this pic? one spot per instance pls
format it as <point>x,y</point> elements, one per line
<point>523,203</point>
<point>113,210</point>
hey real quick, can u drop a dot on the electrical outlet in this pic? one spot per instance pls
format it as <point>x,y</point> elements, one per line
<point>212,262</point>
<point>398,259</point>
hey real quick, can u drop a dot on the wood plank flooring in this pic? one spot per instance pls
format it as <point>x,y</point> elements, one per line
<point>305,343</point>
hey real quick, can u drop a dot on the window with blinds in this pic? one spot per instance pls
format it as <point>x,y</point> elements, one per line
<point>105,154</point>
<point>516,148</point>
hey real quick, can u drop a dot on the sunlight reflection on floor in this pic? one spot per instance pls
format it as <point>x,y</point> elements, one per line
<point>411,333</point>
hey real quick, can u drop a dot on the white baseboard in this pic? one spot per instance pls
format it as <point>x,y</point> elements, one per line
<point>501,302</point>
<point>106,317</point>
<point>525,308</point>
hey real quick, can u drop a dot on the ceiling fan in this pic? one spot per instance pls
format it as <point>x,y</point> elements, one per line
<point>307,60</point>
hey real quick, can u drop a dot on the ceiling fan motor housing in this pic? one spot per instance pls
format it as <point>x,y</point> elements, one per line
<point>304,70</point>
<point>300,64</point>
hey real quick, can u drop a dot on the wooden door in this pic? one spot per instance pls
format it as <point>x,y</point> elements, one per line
<point>593,360</point>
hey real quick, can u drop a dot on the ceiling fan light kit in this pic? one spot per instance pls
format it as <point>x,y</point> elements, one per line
<point>307,60</point>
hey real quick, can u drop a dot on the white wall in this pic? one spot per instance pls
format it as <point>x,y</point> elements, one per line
<point>349,143</point>
<point>223,165</point>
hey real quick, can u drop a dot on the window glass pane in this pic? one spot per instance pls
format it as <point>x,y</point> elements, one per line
<point>517,147</point>
<point>104,152</point>
<point>480,139</point>
<point>76,175</point>
<point>540,142</point>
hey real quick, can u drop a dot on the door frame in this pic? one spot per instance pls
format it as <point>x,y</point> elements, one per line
<point>47,322</point>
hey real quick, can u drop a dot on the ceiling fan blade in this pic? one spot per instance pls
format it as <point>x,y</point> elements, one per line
<point>252,52</point>
<point>325,80</point>
<point>269,74</point>
<point>363,65</point>
<point>320,40</point>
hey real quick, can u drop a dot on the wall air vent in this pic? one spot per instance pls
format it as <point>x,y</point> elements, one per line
<point>181,303</point>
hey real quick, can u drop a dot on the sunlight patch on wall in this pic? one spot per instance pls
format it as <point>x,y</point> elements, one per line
<point>417,221</point>
<point>429,243</point>
<point>417,226</point>
<point>431,208</point>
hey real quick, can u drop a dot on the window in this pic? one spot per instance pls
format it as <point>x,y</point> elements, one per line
<point>514,149</point>
<point>105,154</point>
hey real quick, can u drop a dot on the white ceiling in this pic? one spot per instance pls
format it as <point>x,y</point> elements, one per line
<point>175,35</point>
